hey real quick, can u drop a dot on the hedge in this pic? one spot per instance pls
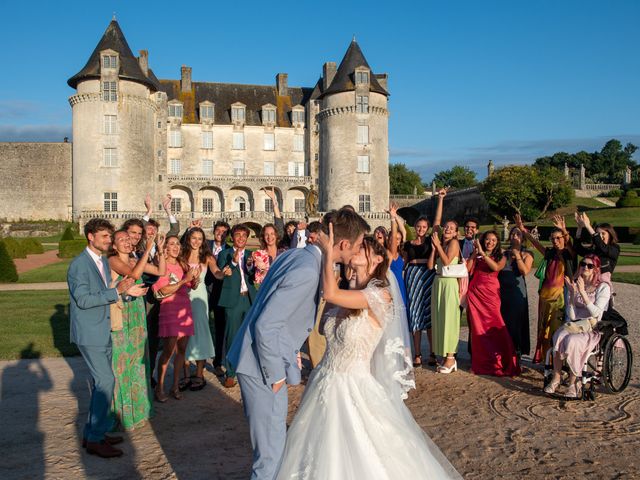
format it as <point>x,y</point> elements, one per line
<point>67,234</point>
<point>71,248</point>
<point>8,272</point>
<point>31,245</point>
<point>14,247</point>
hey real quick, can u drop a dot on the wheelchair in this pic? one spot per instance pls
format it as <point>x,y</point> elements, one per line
<point>608,364</point>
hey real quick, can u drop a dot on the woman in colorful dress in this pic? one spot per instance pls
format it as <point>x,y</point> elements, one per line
<point>445,297</point>
<point>560,262</point>
<point>269,250</point>
<point>196,253</point>
<point>131,405</point>
<point>514,301</point>
<point>418,279</point>
<point>176,322</point>
<point>491,344</point>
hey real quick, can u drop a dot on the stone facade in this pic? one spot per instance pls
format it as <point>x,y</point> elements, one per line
<point>35,181</point>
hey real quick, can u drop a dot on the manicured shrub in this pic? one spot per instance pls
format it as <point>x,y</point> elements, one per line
<point>31,245</point>
<point>636,241</point>
<point>630,199</point>
<point>71,248</point>
<point>14,248</point>
<point>8,271</point>
<point>67,234</point>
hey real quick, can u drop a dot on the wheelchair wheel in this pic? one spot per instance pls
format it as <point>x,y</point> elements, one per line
<point>618,360</point>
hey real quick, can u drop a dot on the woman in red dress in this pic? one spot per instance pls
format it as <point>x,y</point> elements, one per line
<point>492,350</point>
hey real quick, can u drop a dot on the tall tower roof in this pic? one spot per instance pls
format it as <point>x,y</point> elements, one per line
<point>128,66</point>
<point>344,80</point>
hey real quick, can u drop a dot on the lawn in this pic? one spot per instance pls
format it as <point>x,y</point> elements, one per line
<point>55,272</point>
<point>627,278</point>
<point>35,323</point>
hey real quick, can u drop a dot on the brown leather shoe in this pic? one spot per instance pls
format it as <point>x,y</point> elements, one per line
<point>113,440</point>
<point>103,449</point>
<point>229,382</point>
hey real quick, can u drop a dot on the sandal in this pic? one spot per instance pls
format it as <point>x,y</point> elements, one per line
<point>417,360</point>
<point>197,384</point>
<point>176,394</point>
<point>433,361</point>
<point>184,384</point>
<point>159,396</point>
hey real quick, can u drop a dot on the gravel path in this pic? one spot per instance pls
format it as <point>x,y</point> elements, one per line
<point>36,261</point>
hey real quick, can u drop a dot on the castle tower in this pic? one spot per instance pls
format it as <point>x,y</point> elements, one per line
<point>114,137</point>
<point>354,126</point>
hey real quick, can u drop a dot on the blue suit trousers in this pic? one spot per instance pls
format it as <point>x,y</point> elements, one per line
<point>99,421</point>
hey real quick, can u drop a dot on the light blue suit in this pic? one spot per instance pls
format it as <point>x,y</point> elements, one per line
<point>266,347</point>
<point>91,332</point>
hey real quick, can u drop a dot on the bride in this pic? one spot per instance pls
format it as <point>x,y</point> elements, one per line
<point>352,422</point>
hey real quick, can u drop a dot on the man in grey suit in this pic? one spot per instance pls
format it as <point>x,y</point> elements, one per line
<point>89,279</point>
<point>265,352</point>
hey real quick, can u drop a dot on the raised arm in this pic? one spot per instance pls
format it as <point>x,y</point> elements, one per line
<point>438,218</point>
<point>174,225</point>
<point>161,269</point>
<point>393,239</point>
<point>124,269</point>
<point>520,224</point>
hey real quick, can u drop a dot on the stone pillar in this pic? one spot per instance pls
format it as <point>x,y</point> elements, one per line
<point>433,188</point>
<point>490,168</point>
<point>583,178</point>
<point>566,170</point>
<point>627,176</point>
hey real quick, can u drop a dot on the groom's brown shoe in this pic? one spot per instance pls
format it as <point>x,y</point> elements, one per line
<point>114,440</point>
<point>103,449</point>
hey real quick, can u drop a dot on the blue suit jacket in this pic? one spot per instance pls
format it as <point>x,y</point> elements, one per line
<point>89,301</point>
<point>280,319</point>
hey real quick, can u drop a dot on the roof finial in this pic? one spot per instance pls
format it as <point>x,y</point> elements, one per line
<point>114,17</point>
<point>353,40</point>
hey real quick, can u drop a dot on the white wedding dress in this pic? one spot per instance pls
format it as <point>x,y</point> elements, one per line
<point>349,425</point>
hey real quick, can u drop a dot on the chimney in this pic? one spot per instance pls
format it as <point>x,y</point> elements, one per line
<point>281,84</point>
<point>185,79</point>
<point>383,80</point>
<point>328,72</point>
<point>143,61</point>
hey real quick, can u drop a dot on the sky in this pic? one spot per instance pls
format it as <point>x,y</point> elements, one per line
<point>470,80</point>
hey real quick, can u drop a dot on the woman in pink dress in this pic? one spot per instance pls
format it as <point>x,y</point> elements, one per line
<point>492,350</point>
<point>263,258</point>
<point>176,322</point>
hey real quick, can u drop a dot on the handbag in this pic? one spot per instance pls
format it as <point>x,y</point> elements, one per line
<point>582,325</point>
<point>115,312</point>
<point>457,270</point>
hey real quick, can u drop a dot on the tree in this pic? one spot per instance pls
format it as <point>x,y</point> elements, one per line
<point>526,190</point>
<point>456,177</point>
<point>403,181</point>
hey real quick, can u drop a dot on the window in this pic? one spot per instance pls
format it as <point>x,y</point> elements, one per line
<point>110,156</point>
<point>363,134</point>
<point>176,205</point>
<point>207,205</point>
<point>238,141</point>
<point>176,166</point>
<point>363,164</point>
<point>362,78</point>
<point>237,114</point>
<point>206,112</point>
<point>298,143</point>
<point>207,140</point>
<point>298,205</point>
<point>268,205</point>
<point>296,169</point>
<point>109,92</point>
<point>175,110</point>
<point>364,203</point>
<point>297,116</point>
<point>110,201</point>
<point>175,138</point>
<point>109,61</point>
<point>269,169</point>
<point>207,167</point>
<point>110,124</point>
<point>269,141</point>
<point>268,115</point>
<point>238,168</point>
<point>362,104</point>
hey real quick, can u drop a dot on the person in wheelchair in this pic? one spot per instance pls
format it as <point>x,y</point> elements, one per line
<point>588,298</point>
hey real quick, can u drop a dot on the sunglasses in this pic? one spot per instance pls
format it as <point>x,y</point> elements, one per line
<point>589,266</point>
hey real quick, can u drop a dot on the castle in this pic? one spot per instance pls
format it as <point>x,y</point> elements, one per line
<point>216,146</point>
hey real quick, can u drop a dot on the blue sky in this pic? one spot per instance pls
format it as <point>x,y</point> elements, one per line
<point>469,80</point>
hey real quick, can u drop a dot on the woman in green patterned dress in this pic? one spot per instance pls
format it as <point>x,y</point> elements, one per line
<point>132,395</point>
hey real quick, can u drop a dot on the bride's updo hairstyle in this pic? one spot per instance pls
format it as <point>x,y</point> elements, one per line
<point>373,247</point>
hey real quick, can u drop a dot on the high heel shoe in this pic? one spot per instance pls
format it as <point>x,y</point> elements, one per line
<point>452,368</point>
<point>574,390</point>
<point>552,386</point>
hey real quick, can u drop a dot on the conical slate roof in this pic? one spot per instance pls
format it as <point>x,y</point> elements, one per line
<point>344,81</point>
<point>129,69</point>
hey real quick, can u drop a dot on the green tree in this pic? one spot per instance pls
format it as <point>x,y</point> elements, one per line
<point>456,177</point>
<point>8,271</point>
<point>403,181</point>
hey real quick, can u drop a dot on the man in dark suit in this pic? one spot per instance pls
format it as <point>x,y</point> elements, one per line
<point>237,291</point>
<point>91,293</point>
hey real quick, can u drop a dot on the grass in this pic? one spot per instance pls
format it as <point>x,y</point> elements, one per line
<point>627,278</point>
<point>35,324</point>
<point>55,272</point>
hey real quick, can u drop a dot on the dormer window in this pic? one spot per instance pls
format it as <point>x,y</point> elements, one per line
<point>110,61</point>
<point>238,113</point>
<point>206,112</point>
<point>175,110</point>
<point>268,115</point>
<point>362,104</point>
<point>362,77</point>
<point>297,115</point>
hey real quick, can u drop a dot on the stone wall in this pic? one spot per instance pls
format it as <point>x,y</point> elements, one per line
<point>35,181</point>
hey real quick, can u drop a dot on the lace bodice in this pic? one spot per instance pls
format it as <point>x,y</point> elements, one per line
<point>353,337</point>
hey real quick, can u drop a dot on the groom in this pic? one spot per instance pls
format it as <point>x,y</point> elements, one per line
<point>266,349</point>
